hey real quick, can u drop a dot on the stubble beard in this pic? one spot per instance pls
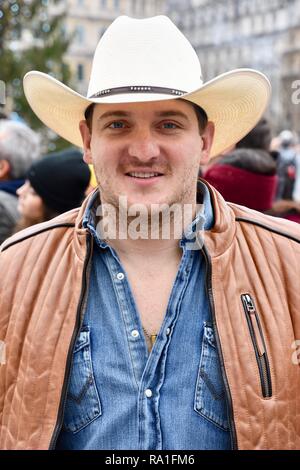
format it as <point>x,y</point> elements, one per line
<point>185,194</point>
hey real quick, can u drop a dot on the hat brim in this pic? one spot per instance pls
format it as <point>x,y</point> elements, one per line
<point>233,101</point>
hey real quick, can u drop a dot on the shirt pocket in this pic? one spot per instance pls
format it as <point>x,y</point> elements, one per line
<point>83,403</point>
<point>210,401</point>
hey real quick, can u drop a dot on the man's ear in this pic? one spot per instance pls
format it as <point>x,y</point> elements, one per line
<point>86,140</point>
<point>207,138</point>
<point>4,169</point>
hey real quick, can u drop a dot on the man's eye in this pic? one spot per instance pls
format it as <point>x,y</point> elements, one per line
<point>169,125</point>
<point>116,125</point>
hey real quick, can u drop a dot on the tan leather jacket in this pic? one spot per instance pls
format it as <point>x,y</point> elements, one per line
<point>253,272</point>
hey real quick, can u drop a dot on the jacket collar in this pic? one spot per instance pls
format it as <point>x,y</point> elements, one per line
<point>220,237</point>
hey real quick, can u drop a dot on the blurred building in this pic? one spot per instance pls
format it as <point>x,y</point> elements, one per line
<point>88,20</point>
<point>264,35</point>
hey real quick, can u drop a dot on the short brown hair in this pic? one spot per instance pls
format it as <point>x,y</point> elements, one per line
<point>88,114</point>
<point>201,116</point>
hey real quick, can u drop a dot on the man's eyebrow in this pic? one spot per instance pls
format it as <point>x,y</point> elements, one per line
<point>116,113</point>
<point>119,113</point>
<point>172,113</point>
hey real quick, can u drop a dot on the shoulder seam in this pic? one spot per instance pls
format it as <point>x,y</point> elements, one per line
<point>66,224</point>
<point>267,227</point>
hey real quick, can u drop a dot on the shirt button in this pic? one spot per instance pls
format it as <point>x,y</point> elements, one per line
<point>148,393</point>
<point>168,331</point>
<point>135,333</point>
<point>120,276</point>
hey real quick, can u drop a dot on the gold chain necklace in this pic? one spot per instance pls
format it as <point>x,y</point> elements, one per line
<point>151,338</point>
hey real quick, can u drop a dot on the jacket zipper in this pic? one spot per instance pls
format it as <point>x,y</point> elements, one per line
<point>258,344</point>
<point>78,323</point>
<point>231,423</point>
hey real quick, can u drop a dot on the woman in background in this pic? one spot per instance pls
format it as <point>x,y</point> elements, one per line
<point>55,184</point>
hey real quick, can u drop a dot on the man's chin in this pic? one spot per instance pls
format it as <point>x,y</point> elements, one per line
<point>127,202</point>
<point>153,205</point>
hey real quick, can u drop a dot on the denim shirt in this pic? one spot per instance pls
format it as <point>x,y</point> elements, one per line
<point>120,396</point>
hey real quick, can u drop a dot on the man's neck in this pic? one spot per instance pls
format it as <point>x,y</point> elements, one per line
<point>143,250</point>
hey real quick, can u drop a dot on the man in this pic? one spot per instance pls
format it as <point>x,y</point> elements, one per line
<point>19,147</point>
<point>118,336</point>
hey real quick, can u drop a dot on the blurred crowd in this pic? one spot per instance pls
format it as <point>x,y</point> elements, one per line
<point>260,172</point>
<point>35,188</point>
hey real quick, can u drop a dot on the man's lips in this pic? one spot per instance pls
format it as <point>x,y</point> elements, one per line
<point>144,177</point>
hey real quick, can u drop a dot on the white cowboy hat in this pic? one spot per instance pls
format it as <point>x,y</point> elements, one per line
<point>149,60</point>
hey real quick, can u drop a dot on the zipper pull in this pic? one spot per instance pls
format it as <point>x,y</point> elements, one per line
<point>249,303</point>
<point>251,310</point>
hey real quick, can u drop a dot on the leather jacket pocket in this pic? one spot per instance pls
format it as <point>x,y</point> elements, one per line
<point>210,400</point>
<point>259,345</point>
<point>83,403</point>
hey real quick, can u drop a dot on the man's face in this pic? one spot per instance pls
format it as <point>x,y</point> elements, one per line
<point>149,152</point>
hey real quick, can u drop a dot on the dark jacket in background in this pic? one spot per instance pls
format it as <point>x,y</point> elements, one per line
<point>246,177</point>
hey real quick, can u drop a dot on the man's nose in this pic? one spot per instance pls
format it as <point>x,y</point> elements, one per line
<point>143,145</point>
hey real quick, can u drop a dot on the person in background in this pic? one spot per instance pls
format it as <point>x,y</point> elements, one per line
<point>287,204</point>
<point>247,175</point>
<point>19,147</point>
<point>296,190</point>
<point>55,184</point>
<point>286,165</point>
